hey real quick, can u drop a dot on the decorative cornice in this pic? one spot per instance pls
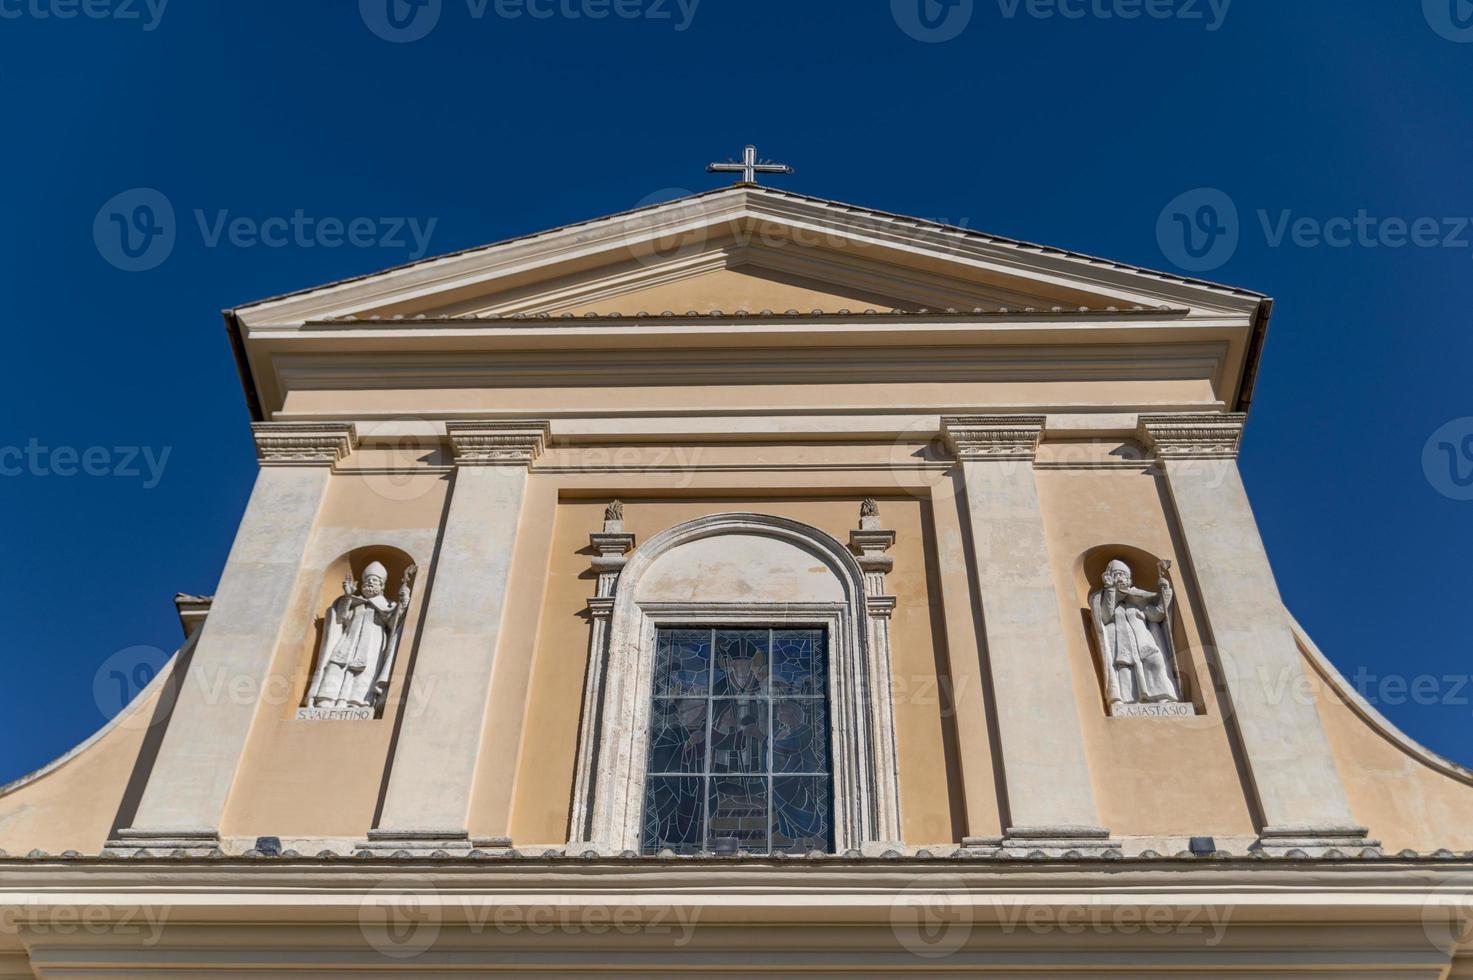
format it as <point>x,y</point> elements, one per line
<point>993,437</point>
<point>516,442</point>
<point>1204,435</point>
<point>303,443</point>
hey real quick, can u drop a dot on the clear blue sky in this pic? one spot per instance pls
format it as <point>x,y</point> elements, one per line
<point>1074,131</point>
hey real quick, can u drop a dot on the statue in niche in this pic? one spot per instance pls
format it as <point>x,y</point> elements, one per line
<point>1133,627</point>
<point>360,636</point>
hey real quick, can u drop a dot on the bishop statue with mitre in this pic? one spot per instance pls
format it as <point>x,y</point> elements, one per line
<point>359,638</point>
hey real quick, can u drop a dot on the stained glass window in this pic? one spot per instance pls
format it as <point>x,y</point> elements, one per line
<point>739,742</point>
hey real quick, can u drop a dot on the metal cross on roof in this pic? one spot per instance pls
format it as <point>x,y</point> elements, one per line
<point>749,168</point>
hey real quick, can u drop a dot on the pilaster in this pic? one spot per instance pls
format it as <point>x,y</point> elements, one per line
<point>427,803</point>
<point>869,544</point>
<point>1299,791</point>
<point>1050,798</point>
<point>613,545</point>
<point>184,800</point>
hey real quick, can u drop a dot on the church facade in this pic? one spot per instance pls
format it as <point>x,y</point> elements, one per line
<point>749,582</point>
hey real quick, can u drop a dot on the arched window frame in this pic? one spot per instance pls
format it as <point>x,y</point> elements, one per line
<point>613,744</point>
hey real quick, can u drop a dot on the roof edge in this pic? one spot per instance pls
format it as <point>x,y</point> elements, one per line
<point>758,190</point>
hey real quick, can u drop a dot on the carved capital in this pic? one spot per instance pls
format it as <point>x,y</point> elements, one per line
<point>613,545</point>
<point>870,547</point>
<point>869,544</point>
<point>515,442</point>
<point>975,438</point>
<point>880,606</point>
<point>1204,435</point>
<point>303,443</point>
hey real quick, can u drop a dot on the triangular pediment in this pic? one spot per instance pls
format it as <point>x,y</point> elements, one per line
<point>761,269</point>
<point>747,249</point>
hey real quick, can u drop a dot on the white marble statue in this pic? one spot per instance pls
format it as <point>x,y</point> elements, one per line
<point>359,639</point>
<point>1133,627</point>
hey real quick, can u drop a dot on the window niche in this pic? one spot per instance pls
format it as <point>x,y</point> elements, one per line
<point>1129,600</point>
<point>362,608</point>
<point>735,573</point>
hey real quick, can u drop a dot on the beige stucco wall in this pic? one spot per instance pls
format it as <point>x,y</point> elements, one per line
<point>323,778</point>
<point>1167,777</point>
<point>1405,801</point>
<point>642,394</point>
<point>931,797</point>
<point>76,803</point>
<point>731,290</point>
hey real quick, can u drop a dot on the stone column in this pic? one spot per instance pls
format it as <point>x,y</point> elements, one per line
<point>1050,799</point>
<point>613,545</point>
<point>427,804</point>
<point>184,800</point>
<point>869,544</point>
<point>1299,793</point>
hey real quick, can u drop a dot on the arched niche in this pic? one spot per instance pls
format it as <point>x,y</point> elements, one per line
<point>739,569</point>
<point>1144,565</point>
<point>329,587</point>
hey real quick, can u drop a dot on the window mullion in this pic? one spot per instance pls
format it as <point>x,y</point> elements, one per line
<point>707,843</point>
<point>771,740</point>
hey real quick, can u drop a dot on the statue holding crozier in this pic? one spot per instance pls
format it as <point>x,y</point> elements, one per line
<point>360,637</point>
<point>1133,627</point>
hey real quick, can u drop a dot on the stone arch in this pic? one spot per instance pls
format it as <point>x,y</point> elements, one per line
<point>739,568</point>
